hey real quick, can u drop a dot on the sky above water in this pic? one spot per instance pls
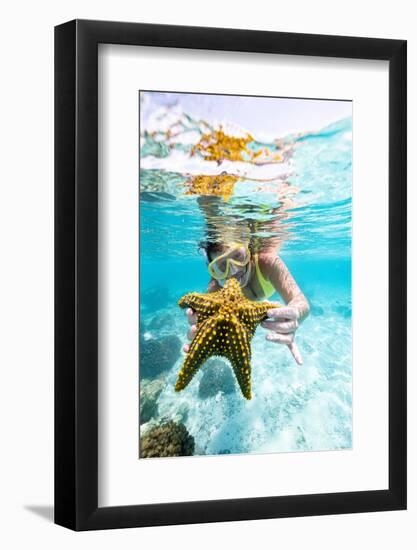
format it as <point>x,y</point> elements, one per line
<point>265,117</point>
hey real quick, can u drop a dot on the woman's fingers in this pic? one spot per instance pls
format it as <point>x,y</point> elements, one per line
<point>192,319</point>
<point>296,353</point>
<point>284,327</point>
<point>191,316</point>
<point>287,339</point>
<point>280,338</point>
<point>282,313</point>
<point>191,332</point>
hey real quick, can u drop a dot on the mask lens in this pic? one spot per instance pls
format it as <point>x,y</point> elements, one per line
<point>221,266</point>
<point>218,269</point>
<point>240,257</point>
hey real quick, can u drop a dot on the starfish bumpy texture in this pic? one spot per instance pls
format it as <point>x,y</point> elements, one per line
<point>226,324</point>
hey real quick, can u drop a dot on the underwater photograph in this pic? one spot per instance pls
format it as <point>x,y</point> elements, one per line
<point>245,328</point>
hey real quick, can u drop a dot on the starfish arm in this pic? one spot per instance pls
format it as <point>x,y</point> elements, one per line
<point>201,349</point>
<point>204,304</point>
<point>251,314</point>
<point>238,352</point>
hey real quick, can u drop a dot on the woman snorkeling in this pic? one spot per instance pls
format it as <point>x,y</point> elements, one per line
<point>259,275</point>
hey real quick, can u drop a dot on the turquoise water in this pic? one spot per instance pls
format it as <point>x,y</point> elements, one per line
<point>306,207</point>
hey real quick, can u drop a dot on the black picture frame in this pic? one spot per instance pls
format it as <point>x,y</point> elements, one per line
<point>76,272</point>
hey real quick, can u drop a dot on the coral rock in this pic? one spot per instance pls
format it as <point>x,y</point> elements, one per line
<point>150,391</point>
<point>217,377</point>
<point>167,439</point>
<point>158,355</point>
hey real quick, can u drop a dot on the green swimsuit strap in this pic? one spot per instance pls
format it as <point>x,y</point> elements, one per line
<point>267,287</point>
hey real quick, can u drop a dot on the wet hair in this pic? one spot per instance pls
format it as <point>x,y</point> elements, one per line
<point>210,247</point>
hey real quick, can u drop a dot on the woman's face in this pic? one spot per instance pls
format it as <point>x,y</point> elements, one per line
<point>225,263</point>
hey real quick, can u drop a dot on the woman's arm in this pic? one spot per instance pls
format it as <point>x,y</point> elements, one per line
<point>283,322</point>
<point>277,272</point>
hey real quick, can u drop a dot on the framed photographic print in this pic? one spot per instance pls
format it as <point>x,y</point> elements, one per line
<point>230,252</point>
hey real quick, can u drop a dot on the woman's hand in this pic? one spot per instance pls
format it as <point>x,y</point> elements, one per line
<point>192,320</point>
<point>283,322</point>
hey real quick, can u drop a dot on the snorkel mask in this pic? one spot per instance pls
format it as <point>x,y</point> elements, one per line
<point>229,263</point>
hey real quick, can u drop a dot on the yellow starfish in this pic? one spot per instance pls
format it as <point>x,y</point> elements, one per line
<point>226,324</point>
